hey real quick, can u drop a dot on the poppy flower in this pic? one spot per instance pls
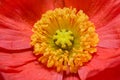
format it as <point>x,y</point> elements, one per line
<point>90,49</point>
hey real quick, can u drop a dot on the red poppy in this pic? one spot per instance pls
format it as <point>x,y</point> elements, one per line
<point>17,61</point>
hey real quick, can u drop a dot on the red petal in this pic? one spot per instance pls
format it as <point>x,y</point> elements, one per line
<point>28,10</point>
<point>105,58</point>
<point>78,4</point>
<point>109,35</point>
<point>14,34</point>
<point>59,3</point>
<point>12,59</point>
<point>102,12</point>
<point>71,76</point>
<point>1,77</point>
<point>33,71</point>
<point>108,74</point>
<point>108,54</point>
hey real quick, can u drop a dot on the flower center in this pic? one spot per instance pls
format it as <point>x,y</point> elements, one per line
<point>63,39</point>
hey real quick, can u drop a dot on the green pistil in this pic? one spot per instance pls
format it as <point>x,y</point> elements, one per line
<point>63,39</point>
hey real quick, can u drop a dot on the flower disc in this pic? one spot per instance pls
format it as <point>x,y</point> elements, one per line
<point>64,39</point>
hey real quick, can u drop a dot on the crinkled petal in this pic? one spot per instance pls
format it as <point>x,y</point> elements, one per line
<point>14,35</point>
<point>102,12</point>
<point>29,11</point>
<point>108,74</point>
<point>109,35</point>
<point>1,77</point>
<point>71,76</point>
<point>105,58</point>
<point>33,71</point>
<point>11,59</point>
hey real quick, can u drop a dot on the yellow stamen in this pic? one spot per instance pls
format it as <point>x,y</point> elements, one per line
<point>64,39</point>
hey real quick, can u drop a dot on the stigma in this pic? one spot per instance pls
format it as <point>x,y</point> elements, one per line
<point>64,39</point>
